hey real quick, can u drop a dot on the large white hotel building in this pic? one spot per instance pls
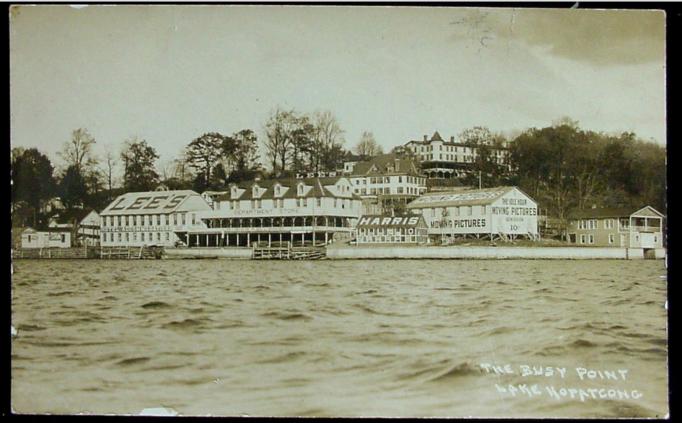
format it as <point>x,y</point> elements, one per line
<point>447,159</point>
<point>311,210</point>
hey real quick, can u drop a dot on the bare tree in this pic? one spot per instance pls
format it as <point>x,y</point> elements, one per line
<point>279,128</point>
<point>368,146</point>
<point>109,162</point>
<point>78,151</point>
<point>327,141</point>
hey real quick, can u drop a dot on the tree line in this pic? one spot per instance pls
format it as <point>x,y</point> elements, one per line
<point>294,143</point>
<point>563,167</point>
<point>566,168</point>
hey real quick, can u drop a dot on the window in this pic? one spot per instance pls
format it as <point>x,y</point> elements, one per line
<point>134,236</point>
<point>175,219</point>
<point>182,218</point>
<point>305,202</point>
<point>608,224</point>
<point>298,202</point>
<point>167,236</point>
<point>127,237</point>
<point>118,237</point>
<point>582,238</point>
<point>590,239</point>
<point>158,236</point>
<point>142,236</point>
<point>611,238</point>
<point>400,179</point>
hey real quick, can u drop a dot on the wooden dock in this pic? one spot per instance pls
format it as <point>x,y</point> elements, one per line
<point>288,252</point>
<point>131,253</point>
<point>56,253</point>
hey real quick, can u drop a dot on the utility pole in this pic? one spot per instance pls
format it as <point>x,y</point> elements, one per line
<point>479,180</point>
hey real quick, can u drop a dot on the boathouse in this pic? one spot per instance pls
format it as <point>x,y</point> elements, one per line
<point>499,213</point>
<point>383,229</point>
<point>49,238</point>
<point>308,211</point>
<point>617,227</point>
<point>160,218</point>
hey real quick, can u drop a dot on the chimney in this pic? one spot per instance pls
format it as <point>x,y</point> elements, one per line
<point>426,137</point>
<point>452,139</point>
<point>397,165</point>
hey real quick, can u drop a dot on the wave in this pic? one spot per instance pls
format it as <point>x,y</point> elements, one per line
<point>155,304</point>
<point>29,328</point>
<point>583,343</point>
<point>132,361</point>
<point>283,358</point>
<point>287,316</point>
<point>185,324</point>
<point>457,371</point>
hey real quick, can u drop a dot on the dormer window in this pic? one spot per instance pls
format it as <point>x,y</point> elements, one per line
<point>300,189</point>
<point>234,192</point>
<point>255,190</point>
<point>277,190</point>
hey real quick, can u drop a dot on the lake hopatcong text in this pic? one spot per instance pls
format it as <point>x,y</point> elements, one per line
<point>575,376</point>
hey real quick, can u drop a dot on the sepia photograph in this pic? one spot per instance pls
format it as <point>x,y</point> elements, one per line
<point>338,211</point>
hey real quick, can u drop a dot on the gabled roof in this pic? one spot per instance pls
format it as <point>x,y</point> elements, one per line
<point>461,197</point>
<point>318,188</point>
<point>611,212</point>
<point>436,137</point>
<point>385,164</point>
<point>68,216</point>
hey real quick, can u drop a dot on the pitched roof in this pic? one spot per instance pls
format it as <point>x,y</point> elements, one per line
<point>68,216</point>
<point>461,197</point>
<point>436,137</point>
<point>318,188</point>
<point>148,202</point>
<point>385,164</point>
<point>607,212</point>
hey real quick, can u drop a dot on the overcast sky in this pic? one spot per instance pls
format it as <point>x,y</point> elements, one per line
<point>170,73</point>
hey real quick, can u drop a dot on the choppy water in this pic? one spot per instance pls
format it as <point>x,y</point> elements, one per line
<point>340,338</point>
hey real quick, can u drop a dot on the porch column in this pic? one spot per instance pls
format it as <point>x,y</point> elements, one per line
<point>248,239</point>
<point>313,238</point>
<point>269,240</point>
<point>326,234</point>
<point>258,238</point>
<point>237,239</point>
<point>197,240</point>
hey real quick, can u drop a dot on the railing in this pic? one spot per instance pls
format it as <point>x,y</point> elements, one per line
<point>642,228</point>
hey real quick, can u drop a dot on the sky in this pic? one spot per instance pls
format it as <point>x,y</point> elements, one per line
<point>168,74</point>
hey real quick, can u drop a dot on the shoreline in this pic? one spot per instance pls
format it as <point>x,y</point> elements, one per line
<point>436,252</point>
<point>416,252</point>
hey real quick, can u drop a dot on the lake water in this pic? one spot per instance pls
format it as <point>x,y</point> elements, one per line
<point>340,338</point>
